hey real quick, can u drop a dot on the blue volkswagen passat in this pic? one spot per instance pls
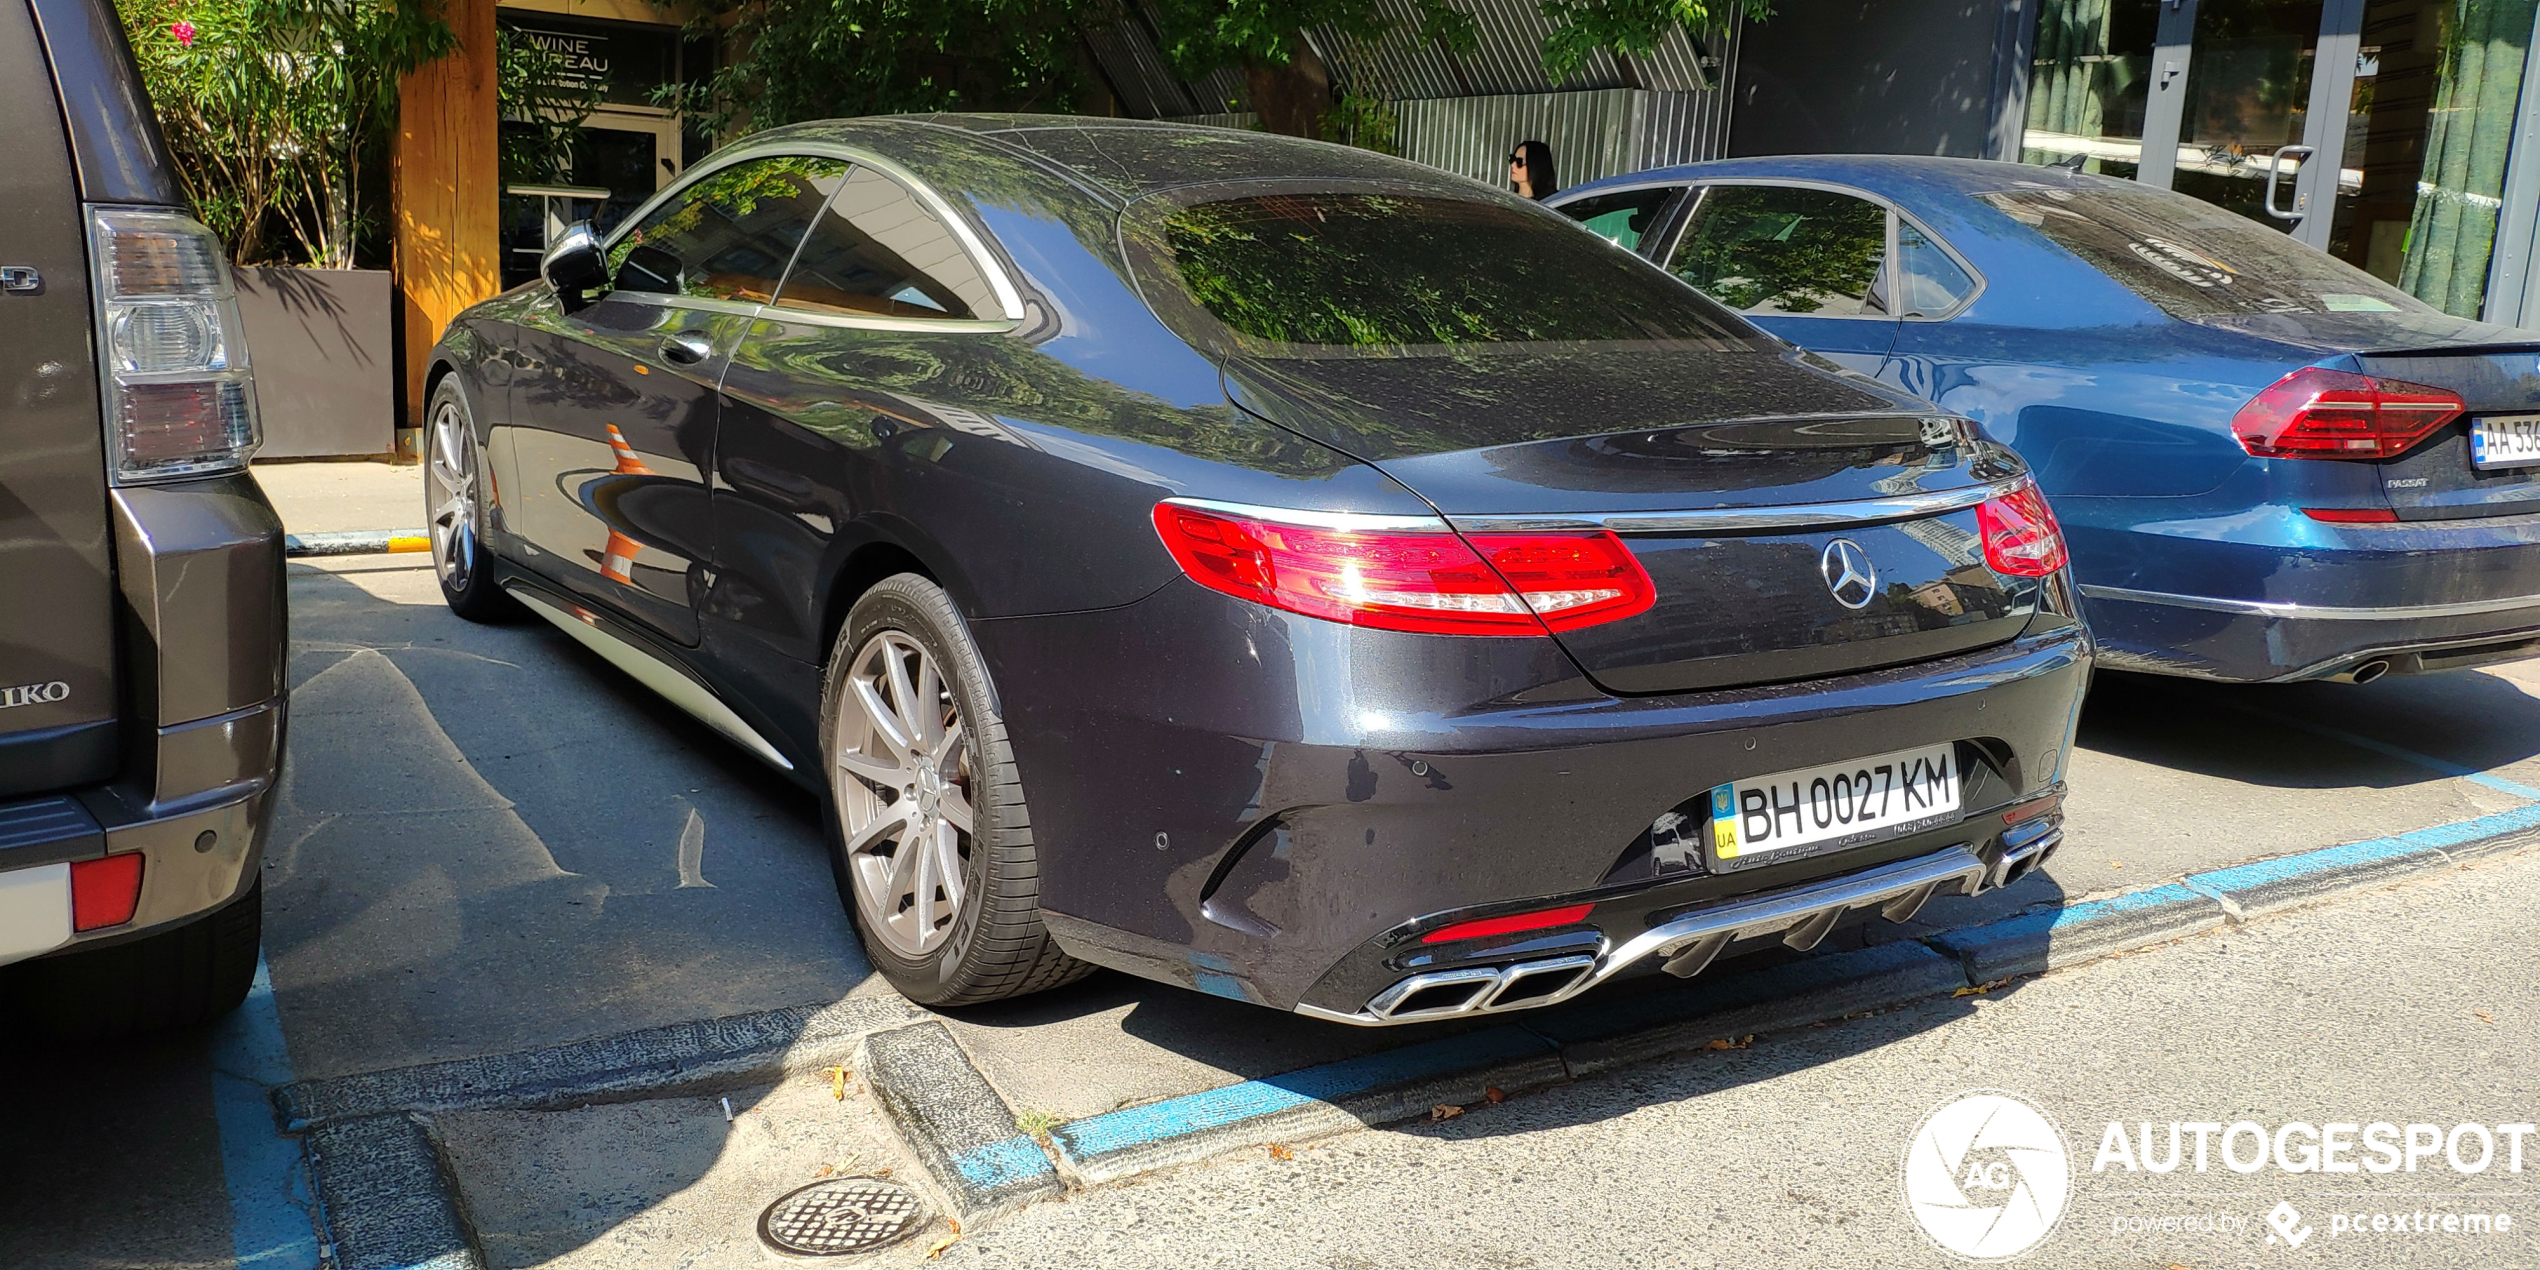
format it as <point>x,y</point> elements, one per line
<point>2271,465</point>
<point>1261,565</point>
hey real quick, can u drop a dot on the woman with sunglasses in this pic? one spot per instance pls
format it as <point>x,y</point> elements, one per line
<point>1530,170</point>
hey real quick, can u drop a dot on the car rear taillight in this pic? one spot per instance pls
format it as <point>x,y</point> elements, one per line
<point>105,891</point>
<point>2021,538</point>
<point>1406,573</point>
<point>173,354</point>
<point>2316,413</point>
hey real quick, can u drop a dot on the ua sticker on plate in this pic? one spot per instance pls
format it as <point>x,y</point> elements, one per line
<point>1818,809</point>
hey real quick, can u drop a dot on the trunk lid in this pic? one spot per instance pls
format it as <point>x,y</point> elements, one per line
<point>2435,479</point>
<point>1718,470</point>
<point>57,663</point>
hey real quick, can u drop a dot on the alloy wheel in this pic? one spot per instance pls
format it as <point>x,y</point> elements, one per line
<point>903,784</point>
<point>452,497</point>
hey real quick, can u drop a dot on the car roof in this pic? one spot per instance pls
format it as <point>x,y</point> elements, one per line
<point>1119,160</point>
<point>2030,280</point>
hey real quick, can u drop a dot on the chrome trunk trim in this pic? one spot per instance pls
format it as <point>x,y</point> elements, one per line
<point>1787,518</point>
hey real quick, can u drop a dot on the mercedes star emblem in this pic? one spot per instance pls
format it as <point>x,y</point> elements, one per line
<point>1849,573</point>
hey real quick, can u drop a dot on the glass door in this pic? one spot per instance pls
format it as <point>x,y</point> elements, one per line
<point>2375,130</point>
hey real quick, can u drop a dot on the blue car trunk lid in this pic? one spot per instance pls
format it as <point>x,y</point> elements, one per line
<point>2435,479</point>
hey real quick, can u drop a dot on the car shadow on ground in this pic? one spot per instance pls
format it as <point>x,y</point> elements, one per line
<point>2305,736</point>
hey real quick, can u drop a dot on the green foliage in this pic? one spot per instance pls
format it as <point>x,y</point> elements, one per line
<point>1582,27</point>
<point>279,111</point>
<point>822,59</point>
<point>537,92</point>
<point>1365,121</point>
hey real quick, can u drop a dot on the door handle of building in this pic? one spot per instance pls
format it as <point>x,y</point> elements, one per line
<point>686,348</point>
<point>2275,165</point>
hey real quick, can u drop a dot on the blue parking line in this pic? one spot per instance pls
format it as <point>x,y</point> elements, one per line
<point>1251,1099</point>
<point>269,1209</point>
<point>1007,1160</point>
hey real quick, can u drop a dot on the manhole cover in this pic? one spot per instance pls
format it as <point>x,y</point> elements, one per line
<point>840,1216</point>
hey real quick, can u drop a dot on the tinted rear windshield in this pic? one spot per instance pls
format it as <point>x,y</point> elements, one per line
<point>2192,259</point>
<point>1320,273</point>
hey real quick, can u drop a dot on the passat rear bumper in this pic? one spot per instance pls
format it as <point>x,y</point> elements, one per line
<point>1275,808</point>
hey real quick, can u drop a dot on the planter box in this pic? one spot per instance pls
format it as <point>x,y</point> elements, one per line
<point>325,359</point>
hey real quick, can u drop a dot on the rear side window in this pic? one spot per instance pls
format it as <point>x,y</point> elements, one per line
<point>1396,271</point>
<point>1772,250</point>
<point>728,234</point>
<point>878,252</point>
<point>2192,259</point>
<point>1928,282</point>
<point>1623,219</point>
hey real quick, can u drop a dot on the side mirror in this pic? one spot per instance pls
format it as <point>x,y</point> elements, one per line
<point>574,266</point>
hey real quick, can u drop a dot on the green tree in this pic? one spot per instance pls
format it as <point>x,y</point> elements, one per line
<point>279,111</point>
<point>825,59</point>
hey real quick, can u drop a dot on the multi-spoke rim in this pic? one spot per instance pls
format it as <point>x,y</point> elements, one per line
<point>452,497</point>
<point>903,784</point>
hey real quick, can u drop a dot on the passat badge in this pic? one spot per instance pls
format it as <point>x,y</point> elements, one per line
<point>1849,573</point>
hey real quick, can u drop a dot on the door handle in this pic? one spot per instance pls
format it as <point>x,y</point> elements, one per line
<point>2275,165</point>
<point>686,348</point>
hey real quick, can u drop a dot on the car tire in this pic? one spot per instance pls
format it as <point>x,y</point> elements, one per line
<point>454,483</point>
<point>192,974</point>
<point>977,936</point>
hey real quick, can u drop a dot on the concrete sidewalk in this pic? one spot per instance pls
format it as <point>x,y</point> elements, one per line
<point>330,496</point>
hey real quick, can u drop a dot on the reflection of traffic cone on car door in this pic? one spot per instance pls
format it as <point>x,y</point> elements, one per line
<point>617,560</point>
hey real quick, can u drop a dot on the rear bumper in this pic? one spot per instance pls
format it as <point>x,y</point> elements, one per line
<point>193,861</point>
<point>199,565</point>
<point>1272,808</point>
<point>2274,596</point>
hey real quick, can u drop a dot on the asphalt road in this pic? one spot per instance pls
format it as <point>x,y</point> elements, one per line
<point>492,842</point>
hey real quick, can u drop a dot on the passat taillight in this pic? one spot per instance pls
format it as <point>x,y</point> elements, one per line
<point>2317,413</point>
<point>179,398</point>
<point>2021,538</point>
<point>1406,573</point>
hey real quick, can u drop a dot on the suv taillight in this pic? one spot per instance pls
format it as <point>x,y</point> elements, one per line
<point>2317,413</point>
<point>1407,573</point>
<point>2021,538</point>
<point>179,399</point>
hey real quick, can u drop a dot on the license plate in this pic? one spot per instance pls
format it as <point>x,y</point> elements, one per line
<point>2504,441</point>
<point>1818,809</point>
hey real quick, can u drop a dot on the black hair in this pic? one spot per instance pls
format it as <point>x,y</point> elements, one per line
<point>1538,159</point>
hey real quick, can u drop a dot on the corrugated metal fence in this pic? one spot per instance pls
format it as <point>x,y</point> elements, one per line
<point>1463,112</point>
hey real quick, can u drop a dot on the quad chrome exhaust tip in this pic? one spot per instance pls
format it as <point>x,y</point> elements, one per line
<point>1685,946</point>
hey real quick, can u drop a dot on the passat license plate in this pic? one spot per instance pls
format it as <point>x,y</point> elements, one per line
<point>2504,441</point>
<point>1818,809</point>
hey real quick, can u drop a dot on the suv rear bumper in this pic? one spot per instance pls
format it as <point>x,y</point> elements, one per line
<point>200,569</point>
<point>193,861</point>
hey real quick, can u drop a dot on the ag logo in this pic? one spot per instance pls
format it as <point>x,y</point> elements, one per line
<point>1987,1175</point>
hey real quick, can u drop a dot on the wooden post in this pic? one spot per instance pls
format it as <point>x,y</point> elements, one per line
<point>448,190</point>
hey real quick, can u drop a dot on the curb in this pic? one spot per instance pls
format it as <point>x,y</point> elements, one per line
<point>356,542</point>
<point>682,1058</point>
<point>1374,1089</point>
<point>1529,1053</point>
<point>954,1122</point>
<point>387,1199</point>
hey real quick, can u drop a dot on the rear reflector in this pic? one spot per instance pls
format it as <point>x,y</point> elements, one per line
<point>2315,413</point>
<point>105,891</point>
<point>2021,538</point>
<point>1407,573</point>
<point>2353,515</point>
<point>1567,915</point>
